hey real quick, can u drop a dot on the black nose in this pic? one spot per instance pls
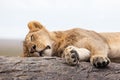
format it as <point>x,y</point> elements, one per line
<point>34,46</point>
<point>33,49</point>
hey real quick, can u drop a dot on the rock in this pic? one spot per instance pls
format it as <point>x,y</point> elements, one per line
<point>53,68</point>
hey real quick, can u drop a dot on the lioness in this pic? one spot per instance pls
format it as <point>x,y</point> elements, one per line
<point>74,45</point>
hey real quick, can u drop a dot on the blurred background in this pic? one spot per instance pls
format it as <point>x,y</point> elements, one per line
<point>98,15</point>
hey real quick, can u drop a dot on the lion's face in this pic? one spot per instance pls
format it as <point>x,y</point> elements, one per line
<point>37,41</point>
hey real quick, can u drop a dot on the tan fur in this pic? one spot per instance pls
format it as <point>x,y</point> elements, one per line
<point>101,45</point>
<point>113,40</point>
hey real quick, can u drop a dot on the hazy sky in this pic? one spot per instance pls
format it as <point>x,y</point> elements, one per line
<point>98,15</point>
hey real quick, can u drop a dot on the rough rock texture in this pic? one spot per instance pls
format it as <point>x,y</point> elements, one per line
<point>17,68</point>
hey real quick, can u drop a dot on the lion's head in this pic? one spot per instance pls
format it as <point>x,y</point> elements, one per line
<point>37,41</point>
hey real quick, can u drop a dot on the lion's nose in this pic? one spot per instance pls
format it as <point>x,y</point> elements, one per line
<point>33,49</point>
<point>34,46</point>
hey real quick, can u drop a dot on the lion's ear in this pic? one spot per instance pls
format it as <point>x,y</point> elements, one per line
<point>34,26</point>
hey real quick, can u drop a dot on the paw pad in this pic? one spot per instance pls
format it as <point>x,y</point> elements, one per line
<point>100,62</point>
<point>72,57</point>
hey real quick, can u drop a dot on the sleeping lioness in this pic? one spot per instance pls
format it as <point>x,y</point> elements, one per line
<point>74,45</point>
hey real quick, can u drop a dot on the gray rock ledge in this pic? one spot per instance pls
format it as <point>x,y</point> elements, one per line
<point>47,68</point>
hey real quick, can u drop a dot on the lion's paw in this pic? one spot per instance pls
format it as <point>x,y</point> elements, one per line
<point>71,56</point>
<point>100,61</point>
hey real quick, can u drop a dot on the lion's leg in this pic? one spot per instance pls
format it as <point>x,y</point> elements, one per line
<point>99,53</point>
<point>74,54</point>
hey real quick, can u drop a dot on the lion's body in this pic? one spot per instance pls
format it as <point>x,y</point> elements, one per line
<point>100,45</point>
<point>75,36</point>
<point>113,41</point>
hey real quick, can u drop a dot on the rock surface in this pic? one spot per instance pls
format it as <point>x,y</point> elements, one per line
<point>34,68</point>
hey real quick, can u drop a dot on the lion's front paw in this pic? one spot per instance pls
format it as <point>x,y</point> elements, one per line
<point>71,56</point>
<point>100,61</point>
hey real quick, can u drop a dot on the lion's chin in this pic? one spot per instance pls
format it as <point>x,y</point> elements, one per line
<point>36,54</point>
<point>45,53</point>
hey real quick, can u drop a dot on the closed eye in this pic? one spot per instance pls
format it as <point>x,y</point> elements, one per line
<point>32,38</point>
